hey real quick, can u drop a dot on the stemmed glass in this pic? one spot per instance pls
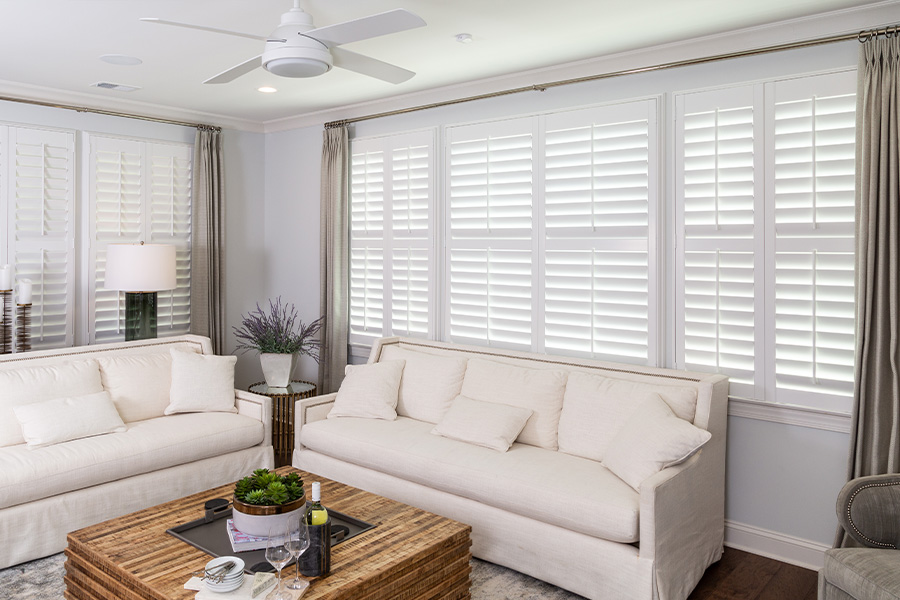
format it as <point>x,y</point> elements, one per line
<point>297,543</point>
<point>278,555</point>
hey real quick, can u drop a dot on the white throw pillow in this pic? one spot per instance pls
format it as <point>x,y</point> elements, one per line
<point>369,391</point>
<point>596,407</point>
<point>429,384</point>
<point>540,390</point>
<point>20,386</point>
<point>138,384</point>
<point>201,383</point>
<point>652,439</point>
<point>487,424</point>
<point>63,419</point>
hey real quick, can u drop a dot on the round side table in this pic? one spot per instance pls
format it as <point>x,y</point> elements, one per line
<point>283,399</point>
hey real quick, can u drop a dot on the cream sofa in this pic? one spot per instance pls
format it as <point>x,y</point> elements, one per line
<point>549,507</point>
<point>46,492</point>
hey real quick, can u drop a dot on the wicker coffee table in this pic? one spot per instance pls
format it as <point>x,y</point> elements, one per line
<point>409,554</point>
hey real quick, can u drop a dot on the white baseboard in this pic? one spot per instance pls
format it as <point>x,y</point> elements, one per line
<point>772,544</point>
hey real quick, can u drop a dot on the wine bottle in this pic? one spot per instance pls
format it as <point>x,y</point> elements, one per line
<point>317,514</point>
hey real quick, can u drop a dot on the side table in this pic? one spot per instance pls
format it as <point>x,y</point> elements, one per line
<point>283,399</point>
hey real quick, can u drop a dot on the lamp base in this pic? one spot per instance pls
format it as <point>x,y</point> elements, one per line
<point>140,315</point>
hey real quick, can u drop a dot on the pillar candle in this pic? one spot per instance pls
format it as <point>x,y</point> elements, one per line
<point>24,291</point>
<point>5,278</point>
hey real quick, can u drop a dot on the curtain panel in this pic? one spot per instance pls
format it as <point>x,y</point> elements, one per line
<point>334,257</point>
<point>875,430</point>
<point>207,238</point>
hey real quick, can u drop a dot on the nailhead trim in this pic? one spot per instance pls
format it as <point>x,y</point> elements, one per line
<point>850,518</point>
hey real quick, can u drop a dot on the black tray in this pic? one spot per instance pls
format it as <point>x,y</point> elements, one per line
<point>210,534</point>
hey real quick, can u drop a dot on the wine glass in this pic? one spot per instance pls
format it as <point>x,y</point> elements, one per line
<point>278,555</point>
<point>297,543</point>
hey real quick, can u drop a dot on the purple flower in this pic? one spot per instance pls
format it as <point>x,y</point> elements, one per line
<point>278,331</point>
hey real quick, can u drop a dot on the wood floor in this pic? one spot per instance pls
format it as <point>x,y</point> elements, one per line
<point>744,576</point>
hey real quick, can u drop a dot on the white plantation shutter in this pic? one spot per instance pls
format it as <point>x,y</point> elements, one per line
<point>812,267</point>
<point>41,197</point>
<point>719,222</point>
<point>599,192</point>
<point>170,223</point>
<point>392,237</point>
<point>490,237</point>
<point>139,191</point>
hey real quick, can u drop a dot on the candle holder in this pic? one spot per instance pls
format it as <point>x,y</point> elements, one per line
<point>6,322</point>
<point>23,327</point>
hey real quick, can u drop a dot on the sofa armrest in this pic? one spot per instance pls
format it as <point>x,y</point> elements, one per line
<point>256,406</point>
<point>309,410</point>
<point>868,509</point>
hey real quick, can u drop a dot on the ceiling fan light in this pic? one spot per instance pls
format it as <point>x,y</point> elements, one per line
<point>297,67</point>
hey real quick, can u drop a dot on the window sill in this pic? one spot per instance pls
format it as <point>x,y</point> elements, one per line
<point>789,415</point>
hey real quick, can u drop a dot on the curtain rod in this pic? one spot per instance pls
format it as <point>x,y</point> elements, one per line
<point>862,36</point>
<point>110,113</point>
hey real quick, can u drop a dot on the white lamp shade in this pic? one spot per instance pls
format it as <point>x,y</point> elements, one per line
<point>140,267</point>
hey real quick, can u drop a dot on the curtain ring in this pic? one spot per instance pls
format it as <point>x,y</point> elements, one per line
<point>863,37</point>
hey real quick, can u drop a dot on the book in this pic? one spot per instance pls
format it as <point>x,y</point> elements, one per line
<point>241,542</point>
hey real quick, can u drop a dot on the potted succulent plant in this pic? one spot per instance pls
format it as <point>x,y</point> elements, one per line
<point>266,499</point>
<point>280,338</point>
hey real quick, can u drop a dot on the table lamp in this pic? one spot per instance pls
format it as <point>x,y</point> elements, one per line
<point>140,270</point>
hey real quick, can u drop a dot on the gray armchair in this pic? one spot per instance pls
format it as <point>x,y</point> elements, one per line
<point>868,508</point>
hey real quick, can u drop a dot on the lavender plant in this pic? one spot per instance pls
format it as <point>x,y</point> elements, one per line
<point>278,331</point>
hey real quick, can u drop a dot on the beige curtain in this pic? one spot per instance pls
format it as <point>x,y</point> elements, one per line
<point>875,431</point>
<point>334,256</point>
<point>207,235</point>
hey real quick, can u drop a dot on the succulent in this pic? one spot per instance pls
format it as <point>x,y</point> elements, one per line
<point>267,488</point>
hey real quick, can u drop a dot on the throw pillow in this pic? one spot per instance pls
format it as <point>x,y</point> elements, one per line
<point>35,384</point>
<point>487,424</point>
<point>429,384</point>
<point>652,439</point>
<point>201,383</point>
<point>63,419</point>
<point>139,384</point>
<point>540,390</point>
<point>369,391</point>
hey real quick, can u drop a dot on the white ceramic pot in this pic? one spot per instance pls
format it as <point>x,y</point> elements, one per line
<point>258,520</point>
<point>277,368</point>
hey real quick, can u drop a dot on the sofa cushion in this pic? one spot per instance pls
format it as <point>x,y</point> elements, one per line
<point>31,474</point>
<point>429,384</point>
<point>651,440</point>
<point>540,390</point>
<point>369,391</point>
<point>201,383</point>
<point>487,424</point>
<point>139,384</point>
<point>568,491</point>
<point>63,419</point>
<point>596,407</point>
<point>36,384</point>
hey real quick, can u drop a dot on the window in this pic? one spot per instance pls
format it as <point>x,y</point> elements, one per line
<point>765,179</point>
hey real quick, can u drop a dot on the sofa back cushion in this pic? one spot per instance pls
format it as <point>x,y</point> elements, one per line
<point>138,383</point>
<point>36,384</point>
<point>540,390</point>
<point>429,384</point>
<point>595,409</point>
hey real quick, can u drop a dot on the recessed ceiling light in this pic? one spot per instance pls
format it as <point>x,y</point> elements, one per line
<point>464,38</point>
<point>267,89</point>
<point>121,59</point>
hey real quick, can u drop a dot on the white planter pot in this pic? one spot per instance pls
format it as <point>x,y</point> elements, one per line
<point>278,368</point>
<point>270,517</point>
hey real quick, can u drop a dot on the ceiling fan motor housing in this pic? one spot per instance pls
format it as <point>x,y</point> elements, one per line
<point>298,55</point>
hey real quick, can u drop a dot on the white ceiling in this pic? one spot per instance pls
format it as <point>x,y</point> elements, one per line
<point>51,48</point>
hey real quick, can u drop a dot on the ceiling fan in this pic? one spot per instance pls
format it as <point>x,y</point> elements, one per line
<point>298,49</point>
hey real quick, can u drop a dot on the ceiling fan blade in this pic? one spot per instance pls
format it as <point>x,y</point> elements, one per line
<point>236,71</point>
<point>392,21</point>
<point>202,28</point>
<point>366,65</point>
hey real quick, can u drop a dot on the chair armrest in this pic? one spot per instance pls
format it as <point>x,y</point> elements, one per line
<point>868,508</point>
<point>256,406</point>
<point>309,410</point>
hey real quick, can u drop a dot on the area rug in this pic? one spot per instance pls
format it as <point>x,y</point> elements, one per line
<point>43,580</point>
